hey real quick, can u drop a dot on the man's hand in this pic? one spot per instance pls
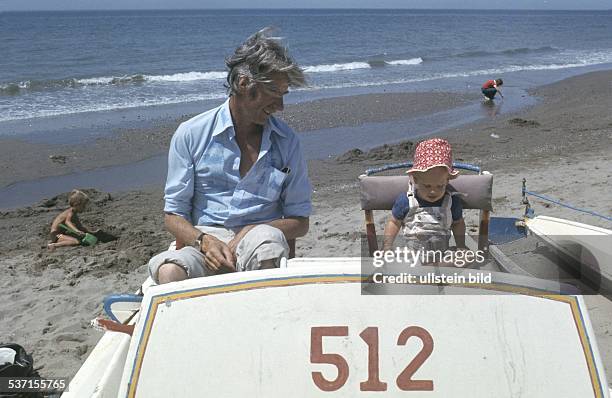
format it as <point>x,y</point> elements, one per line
<point>217,255</point>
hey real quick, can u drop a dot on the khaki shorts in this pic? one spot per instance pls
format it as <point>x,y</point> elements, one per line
<point>261,243</point>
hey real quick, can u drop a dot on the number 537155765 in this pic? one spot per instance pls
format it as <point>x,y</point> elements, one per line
<point>369,335</point>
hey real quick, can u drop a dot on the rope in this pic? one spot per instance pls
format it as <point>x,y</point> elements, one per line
<point>406,165</point>
<point>591,212</point>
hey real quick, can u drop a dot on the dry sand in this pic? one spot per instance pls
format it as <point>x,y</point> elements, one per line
<point>562,146</point>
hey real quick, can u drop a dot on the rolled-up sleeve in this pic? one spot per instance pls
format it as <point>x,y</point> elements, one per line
<point>178,193</point>
<point>401,207</point>
<point>297,193</point>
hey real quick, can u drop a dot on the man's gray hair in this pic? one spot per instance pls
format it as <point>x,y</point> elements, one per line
<point>258,58</point>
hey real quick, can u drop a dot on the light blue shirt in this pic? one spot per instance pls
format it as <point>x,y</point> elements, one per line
<point>204,184</point>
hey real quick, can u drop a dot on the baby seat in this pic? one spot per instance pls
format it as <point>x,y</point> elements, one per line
<point>378,192</point>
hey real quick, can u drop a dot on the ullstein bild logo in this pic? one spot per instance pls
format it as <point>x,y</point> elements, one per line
<point>433,278</point>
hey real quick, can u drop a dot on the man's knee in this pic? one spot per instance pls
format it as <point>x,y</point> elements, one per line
<point>269,234</point>
<point>271,244</point>
<point>170,272</point>
<point>262,248</point>
<point>176,265</point>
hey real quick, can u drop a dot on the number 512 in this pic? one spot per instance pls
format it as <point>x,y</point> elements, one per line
<point>370,336</point>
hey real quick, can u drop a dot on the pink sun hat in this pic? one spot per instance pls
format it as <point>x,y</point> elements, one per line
<point>433,153</point>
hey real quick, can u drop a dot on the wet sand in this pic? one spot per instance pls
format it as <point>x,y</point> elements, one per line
<point>561,146</point>
<point>131,145</point>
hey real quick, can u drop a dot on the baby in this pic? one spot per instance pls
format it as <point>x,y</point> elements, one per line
<point>428,212</point>
<point>66,229</point>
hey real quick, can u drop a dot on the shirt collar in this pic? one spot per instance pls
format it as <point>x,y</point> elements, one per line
<point>224,121</point>
<point>273,125</point>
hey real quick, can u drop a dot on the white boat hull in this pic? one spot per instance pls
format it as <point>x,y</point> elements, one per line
<point>587,245</point>
<point>310,330</point>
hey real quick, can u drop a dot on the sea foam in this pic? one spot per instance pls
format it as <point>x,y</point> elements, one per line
<point>187,77</point>
<point>411,61</point>
<point>336,67</point>
<point>139,78</point>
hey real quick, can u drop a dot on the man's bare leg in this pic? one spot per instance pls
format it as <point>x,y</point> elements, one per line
<point>268,264</point>
<point>171,272</point>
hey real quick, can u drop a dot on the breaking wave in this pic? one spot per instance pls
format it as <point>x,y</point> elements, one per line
<point>479,72</point>
<point>372,63</point>
<point>15,88</point>
<point>336,67</point>
<point>411,61</point>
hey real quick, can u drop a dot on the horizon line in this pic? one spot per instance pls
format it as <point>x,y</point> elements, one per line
<point>309,9</point>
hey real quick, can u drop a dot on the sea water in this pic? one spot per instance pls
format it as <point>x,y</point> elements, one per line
<point>70,76</point>
<point>67,63</point>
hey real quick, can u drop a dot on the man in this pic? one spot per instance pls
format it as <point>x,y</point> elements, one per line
<point>237,186</point>
<point>491,87</point>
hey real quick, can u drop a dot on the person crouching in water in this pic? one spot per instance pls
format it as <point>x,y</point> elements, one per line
<point>66,229</point>
<point>491,87</point>
<point>428,212</point>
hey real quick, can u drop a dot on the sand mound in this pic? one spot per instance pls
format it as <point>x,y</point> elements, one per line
<point>401,152</point>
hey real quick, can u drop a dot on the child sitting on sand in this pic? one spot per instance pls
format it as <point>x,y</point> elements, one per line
<point>428,211</point>
<point>66,229</point>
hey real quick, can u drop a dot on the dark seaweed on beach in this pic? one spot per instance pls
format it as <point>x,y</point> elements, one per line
<point>517,121</point>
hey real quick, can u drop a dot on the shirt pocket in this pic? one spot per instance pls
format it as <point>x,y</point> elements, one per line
<point>270,185</point>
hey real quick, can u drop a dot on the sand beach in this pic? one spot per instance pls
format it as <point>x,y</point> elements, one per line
<point>562,146</point>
